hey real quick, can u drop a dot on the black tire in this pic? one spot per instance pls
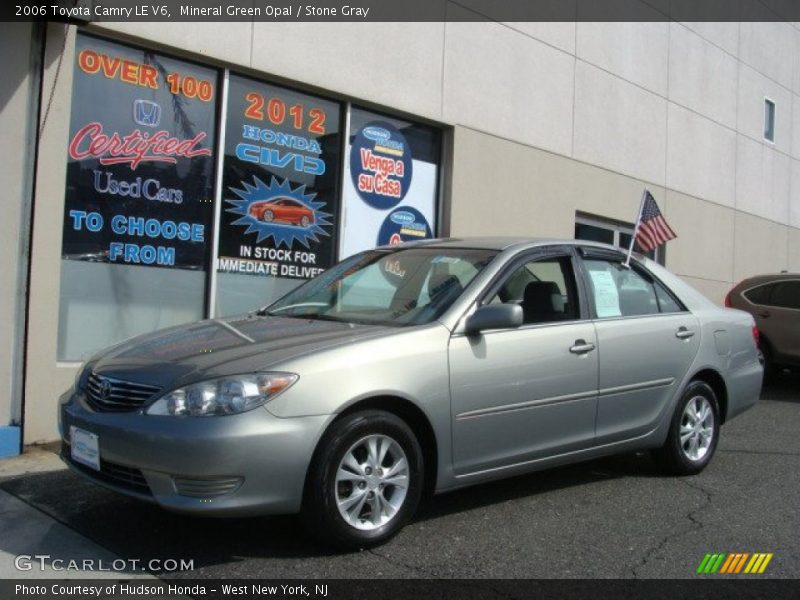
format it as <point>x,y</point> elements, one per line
<point>672,457</point>
<point>770,369</point>
<point>320,513</point>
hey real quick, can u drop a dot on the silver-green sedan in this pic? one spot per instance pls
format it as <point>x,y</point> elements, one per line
<point>421,367</point>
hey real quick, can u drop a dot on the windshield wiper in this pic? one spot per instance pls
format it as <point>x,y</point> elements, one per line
<point>309,316</point>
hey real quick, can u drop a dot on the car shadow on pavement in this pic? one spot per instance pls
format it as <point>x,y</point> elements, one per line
<point>540,482</point>
<point>132,529</point>
<point>783,387</point>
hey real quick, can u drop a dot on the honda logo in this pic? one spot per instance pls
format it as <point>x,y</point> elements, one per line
<point>146,113</point>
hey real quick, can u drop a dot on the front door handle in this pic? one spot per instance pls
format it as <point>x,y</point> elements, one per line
<point>683,333</point>
<point>764,314</point>
<point>581,347</point>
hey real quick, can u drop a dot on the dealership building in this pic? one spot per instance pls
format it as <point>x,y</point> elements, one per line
<point>159,173</point>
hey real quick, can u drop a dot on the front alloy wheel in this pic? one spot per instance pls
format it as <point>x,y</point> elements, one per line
<point>365,480</point>
<point>372,482</point>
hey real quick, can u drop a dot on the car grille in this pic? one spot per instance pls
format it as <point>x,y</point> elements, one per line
<point>113,474</point>
<point>108,394</point>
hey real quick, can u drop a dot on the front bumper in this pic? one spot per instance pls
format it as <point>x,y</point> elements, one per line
<point>251,463</point>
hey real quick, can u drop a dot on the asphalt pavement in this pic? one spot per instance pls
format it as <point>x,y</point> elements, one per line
<point>611,518</point>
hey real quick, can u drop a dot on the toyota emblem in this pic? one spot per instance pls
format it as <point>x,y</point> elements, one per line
<point>105,389</point>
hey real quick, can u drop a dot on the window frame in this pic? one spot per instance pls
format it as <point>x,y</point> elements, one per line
<point>767,284</point>
<point>770,119</point>
<point>594,253</point>
<point>617,228</point>
<point>532,255</point>
<point>773,284</point>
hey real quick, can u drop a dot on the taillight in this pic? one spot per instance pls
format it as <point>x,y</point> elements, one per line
<point>728,303</point>
<point>756,337</point>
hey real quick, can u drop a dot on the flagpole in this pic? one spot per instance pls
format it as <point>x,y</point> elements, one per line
<point>627,263</point>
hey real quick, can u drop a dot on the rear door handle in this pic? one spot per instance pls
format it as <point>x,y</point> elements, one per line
<point>581,347</point>
<point>764,314</point>
<point>683,333</point>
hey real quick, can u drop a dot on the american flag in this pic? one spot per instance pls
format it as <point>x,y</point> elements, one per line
<point>653,229</point>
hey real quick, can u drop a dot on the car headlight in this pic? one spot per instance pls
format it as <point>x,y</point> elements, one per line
<point>223,396</point>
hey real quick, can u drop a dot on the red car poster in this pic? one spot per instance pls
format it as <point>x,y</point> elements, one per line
<point>280,180</point>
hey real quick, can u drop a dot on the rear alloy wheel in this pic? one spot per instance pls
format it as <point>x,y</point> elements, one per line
<point>693,433</point>
<point>267,216</point>
<point>364,482</point>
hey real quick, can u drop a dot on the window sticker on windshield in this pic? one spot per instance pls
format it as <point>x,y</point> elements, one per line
<point>606,295</point>
<point>450,260</point>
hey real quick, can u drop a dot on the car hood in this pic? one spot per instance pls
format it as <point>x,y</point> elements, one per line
<point>220,347</point>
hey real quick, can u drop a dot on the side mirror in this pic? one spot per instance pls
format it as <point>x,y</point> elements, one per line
<point>494,316</point>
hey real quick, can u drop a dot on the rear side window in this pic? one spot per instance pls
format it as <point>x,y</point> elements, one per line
<point>666,302</point>
<point>760,294</point>
<point>626,292</point>
<point>786,295</point>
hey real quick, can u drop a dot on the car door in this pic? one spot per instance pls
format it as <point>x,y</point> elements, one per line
<point>293,211</point>
<point>529,392</point>
<point>647,342</point>
<point>779,320</point>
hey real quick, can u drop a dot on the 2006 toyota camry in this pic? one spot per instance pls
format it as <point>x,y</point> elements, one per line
<point>425,366</point>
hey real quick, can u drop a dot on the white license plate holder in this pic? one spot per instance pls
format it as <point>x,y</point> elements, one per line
<point>84,447</point>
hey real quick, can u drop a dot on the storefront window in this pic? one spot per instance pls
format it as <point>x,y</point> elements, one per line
<point>390,187</point>
<point>140,203</point>
<point>139,195</point>
<point>279,215</point>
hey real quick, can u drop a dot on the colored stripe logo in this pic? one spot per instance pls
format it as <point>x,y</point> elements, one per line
<point>734,563</point>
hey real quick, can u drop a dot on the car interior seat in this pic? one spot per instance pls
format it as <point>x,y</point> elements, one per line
<point>542,301</point>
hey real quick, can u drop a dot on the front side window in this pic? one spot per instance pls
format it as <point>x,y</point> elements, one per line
<point>619,291</point>
<point>407,287</point>
<point>544,288</point>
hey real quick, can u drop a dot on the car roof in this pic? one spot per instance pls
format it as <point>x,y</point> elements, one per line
<point>769,277</point>
<point>501,243</point>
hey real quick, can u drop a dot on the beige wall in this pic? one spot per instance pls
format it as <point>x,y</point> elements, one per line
<point>501,187</point>
<point>46,379</point>
<point>16,104</point>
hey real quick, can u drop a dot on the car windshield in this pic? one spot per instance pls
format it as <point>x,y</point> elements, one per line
<point>410,286</point>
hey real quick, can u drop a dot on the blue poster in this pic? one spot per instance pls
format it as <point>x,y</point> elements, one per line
<point>404,224</point>
<point>381,165</point>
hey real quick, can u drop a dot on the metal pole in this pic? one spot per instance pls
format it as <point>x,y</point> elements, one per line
<point>635,230</point>
<point>212,287</point>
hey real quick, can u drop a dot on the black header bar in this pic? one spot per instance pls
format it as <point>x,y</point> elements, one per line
<point>86,11</point>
